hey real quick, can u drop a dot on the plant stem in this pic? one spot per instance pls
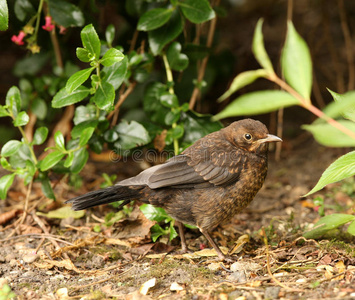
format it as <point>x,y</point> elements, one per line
<point>170,79</point>
<point>40,6</point>
<point>309,106</point>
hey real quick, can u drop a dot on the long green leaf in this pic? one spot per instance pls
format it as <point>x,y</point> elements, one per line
<point>257,103</point>
<point>340,169</point>
<point>259,48</point>
<point>296,63</point>
<point>51,160</point>
<point>344,105</point>
<point>63,98</point>
<point>91,40</point>
<point>4,15</point>
<point>77,79</point>
<point>154,18</point>
<point>330,136</point>
<point>241,80</point>
<point>197,11</point>
<point>10,148</point>
<point>5,183</point>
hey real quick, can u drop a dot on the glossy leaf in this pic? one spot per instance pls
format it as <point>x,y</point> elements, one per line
<point>4,15</point>
<point>13,100</point>
<point>197,11</point>
<point>91,40</point>
<point>177,60</point>
<point>259,49</point>
<point>158,38</point>
<point>77,79</point>
<point>63,98</point>
<point>169,100</point>
<point>104,96</point>
<point>78,130</point>
<point>154,18</point>
<point>5,183</point>
<point>69,160</point>
<point>110,34</point>
<point>116,73</point>
<point>152,104</point>
<point>154,213</point>
<point>21,119</point>
<point>59,141</point>
<point>257,103</point>
<point>111,56</point>
<point>66,14</point>
<point>46,186</point>
<point>51,160</point>
<point>39,108</point>
<point>157,231</point>
<point>241,80</point>
<point>296,63</point>
<point>351,228</point>
<point>328,223</point>
<point>23,9</point>
<point>84,54</point>
<point>340,169</point>
<point>79,161</point>
<point>131,135</point>
<point>3,111</point>
<point>330,136</point>
<point>85,136</point>
<point>40,135</point>
<point>10,148</point>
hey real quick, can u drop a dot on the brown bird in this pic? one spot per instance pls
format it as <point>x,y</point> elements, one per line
<point>208,183</point>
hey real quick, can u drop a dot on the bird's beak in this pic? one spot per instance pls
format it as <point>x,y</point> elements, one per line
<point>269,139</point>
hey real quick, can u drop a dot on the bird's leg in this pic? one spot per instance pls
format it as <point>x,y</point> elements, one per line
<point>214,245</point>
<point>182,236</point>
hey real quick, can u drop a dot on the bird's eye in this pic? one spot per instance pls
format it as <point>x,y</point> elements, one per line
<point>248,136</point>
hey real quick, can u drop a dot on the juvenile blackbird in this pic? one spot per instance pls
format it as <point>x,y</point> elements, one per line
<point>208,183</point>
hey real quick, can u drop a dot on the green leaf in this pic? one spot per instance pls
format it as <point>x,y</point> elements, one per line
<point>154,19</point>
<point>69,160</point>
<point>78,130</point>
<point>131,135</point>
<point>21,119</point>
<point>296,63</point>
<point>351,228</point>
<point>63,98</point>
<point>59,141</point>
<point>340,169</point>
<point>111,56</point>
<point>80,158</point>
<point>23,9</point>
<point>40,135</point>
<point>259,49</point>
<point>177,132</point>
<point>5,183</point>
<point>3,111</point>
<point>84,54</point>
<point>257,103</point>
<point>152,104</point>
<point>330,136</point>
<point>110,34</point>
<point>10,148</point>
<point>169,100</point>
<point>4,15</point>
<point>154,213</point>
<point>63,213</point>
<point>104,96</point>
<point>197,11</point>
<point>66,14</point>
<point>77,79</point>
<point>157,231</point>
<point>111,136</point>
<point>51,160</point>
<point>158,38</point>
<point>241,80</point>
<point>343,105</point>
<point>13,100</point>
<point>173,234</point>
<point>39,108</point>
<point>91,40</point>
<point>85,136</point>
<point>327,223</point>
<point>46,186</point>
<point>116,73</point>
<point>177,60</point>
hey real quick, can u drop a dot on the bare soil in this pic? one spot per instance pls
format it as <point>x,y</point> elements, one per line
<point>50,258</point>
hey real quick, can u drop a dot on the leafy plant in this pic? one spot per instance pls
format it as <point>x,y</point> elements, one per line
<point>335,126</point>
<point>6,293</point>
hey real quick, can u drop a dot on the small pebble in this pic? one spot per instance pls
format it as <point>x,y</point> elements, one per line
<point>272,292</point>
<point>29,258</point>
<point>238,276</point>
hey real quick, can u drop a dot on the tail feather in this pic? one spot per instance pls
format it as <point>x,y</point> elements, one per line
<point>104,196</point>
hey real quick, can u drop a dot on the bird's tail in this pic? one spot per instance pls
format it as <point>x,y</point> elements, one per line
<point>104,196</point>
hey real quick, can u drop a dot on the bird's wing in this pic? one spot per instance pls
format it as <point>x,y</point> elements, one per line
<point>193,169</point>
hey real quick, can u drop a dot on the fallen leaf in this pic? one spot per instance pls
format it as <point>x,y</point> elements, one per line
<point>340,269</point>
<point>242,240</point>
<point>63,213</point>
<point>65,263</point>
<point>176,287</point>
<point>7,216</point>
<point>62,293</point>
<point>144,289</point>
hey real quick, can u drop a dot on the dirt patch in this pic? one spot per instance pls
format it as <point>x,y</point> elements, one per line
<point>99,262</point>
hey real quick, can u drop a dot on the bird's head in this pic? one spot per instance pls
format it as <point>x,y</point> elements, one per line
<point>250,135</point>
